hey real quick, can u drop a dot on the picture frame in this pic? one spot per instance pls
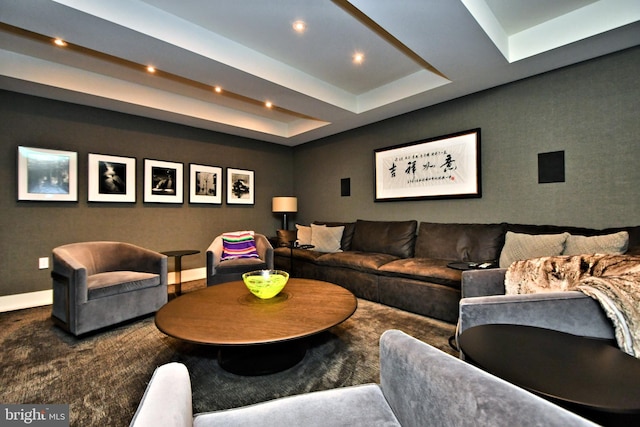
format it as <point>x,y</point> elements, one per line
<point>163,181</point>
<point>47,175</point>
<point>111,178</point>
<point>240,187</point>
<point>444,167</point>
<point>205,184</point>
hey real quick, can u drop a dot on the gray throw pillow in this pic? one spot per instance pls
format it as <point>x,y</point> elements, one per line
<point>525,246</point>
<point>615,243</point>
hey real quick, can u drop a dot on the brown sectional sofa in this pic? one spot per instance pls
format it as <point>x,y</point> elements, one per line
<point>401,264</point>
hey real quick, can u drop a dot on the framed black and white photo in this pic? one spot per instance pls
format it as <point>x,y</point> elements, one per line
<point>47,175</point>
<point>163,181</point>
<point>240,187</point>
<point>205,184</point>
<point>111,178</point>
<point>444,167</point>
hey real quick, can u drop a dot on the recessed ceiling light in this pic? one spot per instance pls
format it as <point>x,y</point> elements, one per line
<point>217,89</point>
<point>299,26</point>
<point>151,69</point>
<point>268,104</point>
<point>358,57</point>
<point>60,42</point>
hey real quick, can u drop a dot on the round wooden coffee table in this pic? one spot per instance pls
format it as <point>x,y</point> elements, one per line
<point>256,336</point>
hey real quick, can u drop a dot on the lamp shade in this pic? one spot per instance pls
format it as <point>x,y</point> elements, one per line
<point>284,204</point>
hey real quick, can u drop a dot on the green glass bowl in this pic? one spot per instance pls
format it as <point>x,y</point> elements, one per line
<point>265,284</point>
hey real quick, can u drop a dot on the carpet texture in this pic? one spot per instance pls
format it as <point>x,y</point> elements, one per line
<point>103,376</point>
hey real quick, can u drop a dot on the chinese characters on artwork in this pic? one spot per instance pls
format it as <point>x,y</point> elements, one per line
<point>429,166</point>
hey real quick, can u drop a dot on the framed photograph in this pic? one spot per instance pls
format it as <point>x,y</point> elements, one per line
<point>111,178</point>
<point>205,184</point>
<point>444,167</point>
<point>47,175</point>
<point>240,187</point>
<point>163,181</point>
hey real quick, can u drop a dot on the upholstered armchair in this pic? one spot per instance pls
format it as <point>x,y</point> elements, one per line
<point>98,284</point>
<point>220,270</point>
<point>484,302</point>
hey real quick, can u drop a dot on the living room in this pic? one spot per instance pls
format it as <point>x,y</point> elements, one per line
<point>587,110</point>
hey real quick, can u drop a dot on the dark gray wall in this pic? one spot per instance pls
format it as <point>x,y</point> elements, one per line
<point>590,110</point>
<point>30,230</point>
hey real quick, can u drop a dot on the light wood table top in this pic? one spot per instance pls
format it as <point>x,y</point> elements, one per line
<point>229,315</point>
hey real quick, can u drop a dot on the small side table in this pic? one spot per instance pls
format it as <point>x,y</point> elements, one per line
<point>178,265</point>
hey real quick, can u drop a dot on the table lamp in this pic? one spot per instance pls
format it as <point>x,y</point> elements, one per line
<point>284,205</point>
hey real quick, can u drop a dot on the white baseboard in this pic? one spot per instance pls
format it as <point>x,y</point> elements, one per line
<point>188,275</point>
<point>28,300</point>
<point>40,298</point>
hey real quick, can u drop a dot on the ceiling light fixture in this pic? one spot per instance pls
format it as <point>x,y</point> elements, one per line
<point>151,69</point>
<point>299,26</point>
<point>358,57</point>
<point>268,104</point>
<point>60,42</point>
<point>217,89</point>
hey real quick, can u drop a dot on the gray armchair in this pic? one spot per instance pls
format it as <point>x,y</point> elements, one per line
<point>98,284</point>
<point>419,386</point>
<point>231,270</point>
<point>484,302</point>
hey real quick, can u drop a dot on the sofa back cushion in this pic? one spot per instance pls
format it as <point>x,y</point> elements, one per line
<point>386,237</point>
<point>460,242</point>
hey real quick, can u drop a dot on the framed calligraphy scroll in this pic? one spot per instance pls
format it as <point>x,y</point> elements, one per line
<point>444,167</point>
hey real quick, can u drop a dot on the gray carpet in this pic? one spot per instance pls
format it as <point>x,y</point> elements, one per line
<point>103,376</point>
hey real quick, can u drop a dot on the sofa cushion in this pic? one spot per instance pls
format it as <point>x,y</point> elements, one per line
<point>606,244</point>
<point>424,269</point>
<point>524,246</point>
<point>240,265</point>
<point>361,261</point>
<point>460,242</point>
<point>326,239</point>
<point>361,405</point>
<point>387,237</point>
<point>347,234</point>
<point>119,282</point>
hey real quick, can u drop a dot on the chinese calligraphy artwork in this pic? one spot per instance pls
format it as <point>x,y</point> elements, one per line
<point>443,167</point>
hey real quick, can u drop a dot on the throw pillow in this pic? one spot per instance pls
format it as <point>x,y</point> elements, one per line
<point>524,246</point>
<point>304,234</point>
<point>326,239</point>
<point>615,243</point>
<point>238,244</point>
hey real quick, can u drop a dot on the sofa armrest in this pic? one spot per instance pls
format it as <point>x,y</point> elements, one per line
<point>572,312</point>
<point>477,283</point>
<point>425,386</point>
<point>167,399</point>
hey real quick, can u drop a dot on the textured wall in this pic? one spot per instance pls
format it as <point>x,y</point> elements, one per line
<point>30,230</point>
<point>590,110</point>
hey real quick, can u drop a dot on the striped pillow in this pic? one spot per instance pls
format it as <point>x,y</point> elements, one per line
<point>238,244</point>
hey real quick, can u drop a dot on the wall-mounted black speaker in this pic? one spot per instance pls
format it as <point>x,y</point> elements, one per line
<point>551,167</point>
<point>345,187</point>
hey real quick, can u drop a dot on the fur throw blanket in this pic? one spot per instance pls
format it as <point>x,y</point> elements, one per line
<point>612,280</point>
